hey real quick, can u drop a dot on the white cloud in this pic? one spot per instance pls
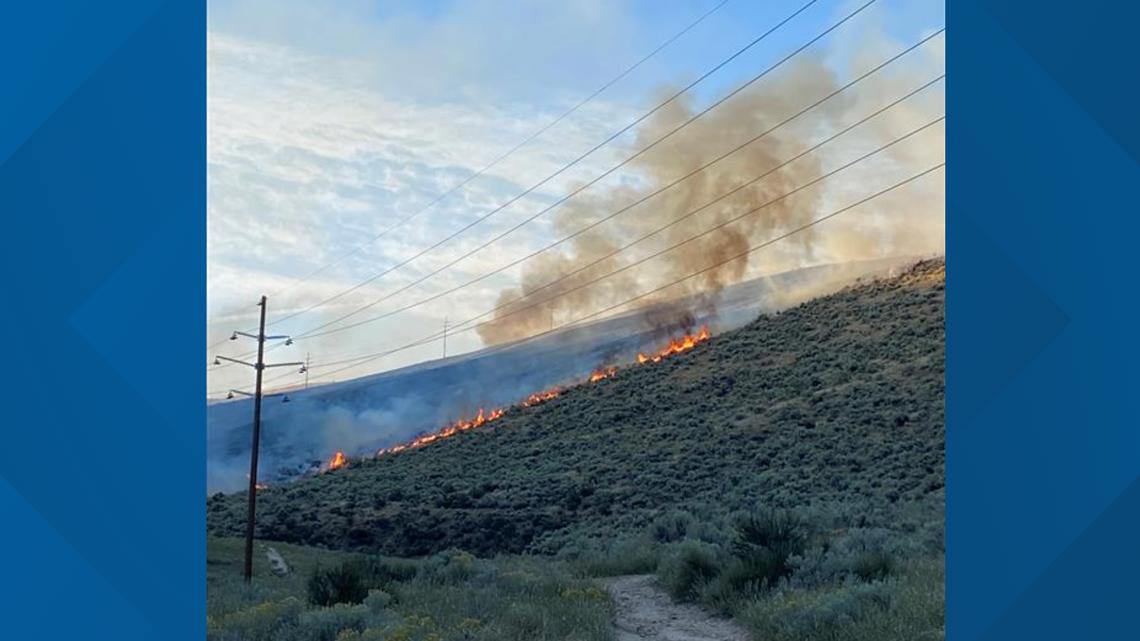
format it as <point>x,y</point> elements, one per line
<point>305,165</point>
<point>313,150</point>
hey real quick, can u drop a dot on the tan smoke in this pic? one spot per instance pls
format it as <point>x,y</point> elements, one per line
<point>908,222</point>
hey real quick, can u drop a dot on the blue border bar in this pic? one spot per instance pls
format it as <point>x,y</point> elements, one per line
<point>1043,442</point>
<point>102,188</point>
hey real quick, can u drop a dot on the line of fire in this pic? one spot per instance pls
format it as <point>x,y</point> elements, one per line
<point>483,416</point>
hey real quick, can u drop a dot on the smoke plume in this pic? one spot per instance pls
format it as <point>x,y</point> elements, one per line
<point>553,289</point>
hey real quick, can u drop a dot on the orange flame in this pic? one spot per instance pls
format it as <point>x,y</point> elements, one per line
<point>338,461</point>
<point>541,397</point>
<point>602,374</point>
<point>675,346</point>
<point>462,425</point>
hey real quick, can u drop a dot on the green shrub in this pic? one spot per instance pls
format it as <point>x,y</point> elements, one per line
<point>267,621</point>
<point>687,567</point>
<point>763,544</point>
<point>509,598</point>
<point>383,571</point>
<point>627,555</point>
<point>377,601</point>
<point>866,554</point>
<point>908,606</point>
<point>353,579</point>
<point>344,583</point>
<point>448,568</point>
<point>521,622</point>
<point>873,565</point>
<point>768,529</point>
<point>326,624</point>
<point>671,527</point>
<point>821,614</point>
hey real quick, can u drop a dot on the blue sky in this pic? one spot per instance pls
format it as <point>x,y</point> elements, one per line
<point>330,121</point>
<point>542,53</point>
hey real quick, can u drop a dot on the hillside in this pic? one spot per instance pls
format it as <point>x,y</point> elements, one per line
<point>834,406</point>
<point>362,415</point>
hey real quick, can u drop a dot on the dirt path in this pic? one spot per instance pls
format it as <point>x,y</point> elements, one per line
<point>646,613</point>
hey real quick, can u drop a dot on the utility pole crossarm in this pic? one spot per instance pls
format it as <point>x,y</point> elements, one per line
<point>217,360</point>
<point>277,337</point>
<point>257,395</point>
<point>284,397</point>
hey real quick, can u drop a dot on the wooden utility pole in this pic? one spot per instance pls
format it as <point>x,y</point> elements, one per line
<point>255,447</point>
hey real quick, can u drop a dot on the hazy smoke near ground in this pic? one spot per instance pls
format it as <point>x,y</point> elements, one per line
<point>553,289</point>
<point>360,416</point>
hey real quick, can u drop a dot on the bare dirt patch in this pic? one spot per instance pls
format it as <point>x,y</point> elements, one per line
<point>646,613</point>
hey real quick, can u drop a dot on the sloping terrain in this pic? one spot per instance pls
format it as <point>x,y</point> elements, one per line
<point>835,405</point>
<point>365,414</point>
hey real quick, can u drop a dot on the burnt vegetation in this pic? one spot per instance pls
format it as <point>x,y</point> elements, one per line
<point>833,407</point>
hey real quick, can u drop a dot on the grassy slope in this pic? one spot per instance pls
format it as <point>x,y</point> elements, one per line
<point>225,591</point>
<point>448,597</point>
<point>834,405</point>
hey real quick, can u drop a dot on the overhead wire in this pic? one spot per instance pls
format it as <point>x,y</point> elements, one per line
<point>311,334</point>
<point>608,172</point>
<point>498,159</point>
<point>480,219</point>
<point>358,361</point>
<point>737,256</point>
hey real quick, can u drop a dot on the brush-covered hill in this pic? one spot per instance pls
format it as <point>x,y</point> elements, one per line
<point>834,406</point>
<point>363,415</point>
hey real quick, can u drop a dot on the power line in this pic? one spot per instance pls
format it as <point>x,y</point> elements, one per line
<point>581,157</point>
<point>589,152</point>
<point>717,226</point>
<point>581,103</point>
<point>671,284</point>
<point>357,362</point>
<point>609,171</point>
<point>312,334</point>
<point>675,245</point>
<point>720,225</point>
<point>677,221</point>
<point>806,151</point>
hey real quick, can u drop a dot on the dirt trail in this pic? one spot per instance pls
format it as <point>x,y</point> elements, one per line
<point>646,613</point>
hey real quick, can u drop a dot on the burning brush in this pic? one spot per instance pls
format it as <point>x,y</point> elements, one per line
<point>675,346</point>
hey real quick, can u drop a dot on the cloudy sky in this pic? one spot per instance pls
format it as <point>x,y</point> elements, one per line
<point>334,125</point>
